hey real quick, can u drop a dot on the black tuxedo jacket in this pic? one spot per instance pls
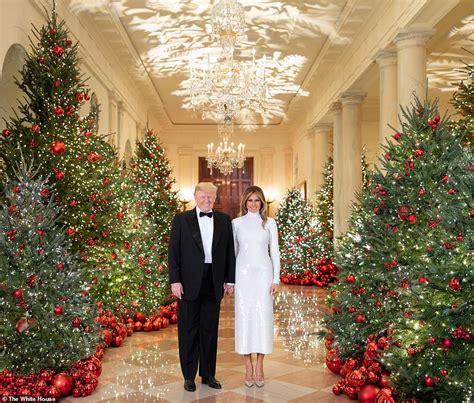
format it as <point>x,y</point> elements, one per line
<point>186,253</point>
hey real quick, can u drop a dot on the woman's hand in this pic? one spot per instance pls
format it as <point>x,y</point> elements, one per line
<point>274,289</point>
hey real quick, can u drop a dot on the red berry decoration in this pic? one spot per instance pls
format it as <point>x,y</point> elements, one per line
<point>58,310</point>
<point>70,231</point>
<point>76,322</point>
<point>418,153</point>
<point>58,111</point>
<point>411,219</point>
<point>6,132</point>
<point>120,215</point>
<point>351,279</point>
<point>443,372</point>
<point>35,128</point>
<point>454,284</point>
<point>397,136</point>
<point>422,280</point>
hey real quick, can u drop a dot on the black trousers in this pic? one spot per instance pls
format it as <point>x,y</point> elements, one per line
<point>198,323</point>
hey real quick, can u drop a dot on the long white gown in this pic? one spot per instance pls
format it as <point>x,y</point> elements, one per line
<point>257,267</point>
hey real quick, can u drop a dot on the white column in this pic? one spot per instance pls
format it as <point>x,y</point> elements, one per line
<point>411,45</point>
<point>113,139</point>
<point>309,157</point>
<point>120,135</point>
<point>347,166</point>
<point>322,151</point>
<point>388,98</point>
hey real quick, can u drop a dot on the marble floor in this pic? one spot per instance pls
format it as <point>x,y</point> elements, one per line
<point>146,367</point>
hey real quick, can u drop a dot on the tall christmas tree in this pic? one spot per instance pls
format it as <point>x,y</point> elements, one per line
<point>82,165</point>
<point>47,318</point>
<point>432,358</point>
<point>300,257</point>
<point>324,212</point>
<point>407,232</point>
<point>156,204</point>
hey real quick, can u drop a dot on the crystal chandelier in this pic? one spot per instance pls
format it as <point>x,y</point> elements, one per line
<point>228,24</point>
<point>222,85</point>
<point>225,157</point>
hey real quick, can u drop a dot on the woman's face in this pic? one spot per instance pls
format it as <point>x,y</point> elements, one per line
<point>253,203</point>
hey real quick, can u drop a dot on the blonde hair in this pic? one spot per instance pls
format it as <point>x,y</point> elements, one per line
<point>207,187</point>
<point>263,204</point>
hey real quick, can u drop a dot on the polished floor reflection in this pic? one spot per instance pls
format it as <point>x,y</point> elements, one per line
<point>146,367</point>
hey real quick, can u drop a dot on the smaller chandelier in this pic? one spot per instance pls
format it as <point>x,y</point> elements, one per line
<point>225,158</point>
<point>228,24</point>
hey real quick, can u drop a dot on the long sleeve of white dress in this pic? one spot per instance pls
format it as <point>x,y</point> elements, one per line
<point>274,250</point>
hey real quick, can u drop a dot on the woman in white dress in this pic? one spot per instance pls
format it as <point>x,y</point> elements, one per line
<point>257,275</point>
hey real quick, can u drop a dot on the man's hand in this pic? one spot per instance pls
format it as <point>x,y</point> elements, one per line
<point>228,288</point>
<point>177,290</point>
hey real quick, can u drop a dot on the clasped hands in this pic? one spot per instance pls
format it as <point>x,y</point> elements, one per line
<point>177,289</point>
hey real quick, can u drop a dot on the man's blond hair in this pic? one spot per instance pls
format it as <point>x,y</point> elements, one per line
<point>207,187</point>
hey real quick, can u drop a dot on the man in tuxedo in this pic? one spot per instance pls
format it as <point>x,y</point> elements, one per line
<point>201,263</point>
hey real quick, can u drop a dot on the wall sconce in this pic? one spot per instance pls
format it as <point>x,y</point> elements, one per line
<point>270,198</point>
<point>185,198</point>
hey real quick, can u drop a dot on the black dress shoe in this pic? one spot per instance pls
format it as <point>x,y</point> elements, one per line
<point>189,385</point>
<point>212,382</point>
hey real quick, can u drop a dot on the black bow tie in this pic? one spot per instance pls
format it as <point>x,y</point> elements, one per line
<point>201,214</point>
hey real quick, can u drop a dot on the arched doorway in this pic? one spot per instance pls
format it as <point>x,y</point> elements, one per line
<point>11,94</point>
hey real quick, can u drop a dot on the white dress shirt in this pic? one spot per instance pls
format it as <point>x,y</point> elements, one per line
<point>206,227</point>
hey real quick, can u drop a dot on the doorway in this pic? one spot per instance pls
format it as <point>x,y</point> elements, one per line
<point>229,188</point>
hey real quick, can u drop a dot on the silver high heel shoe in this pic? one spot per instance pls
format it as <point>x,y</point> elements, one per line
<point>249,384</point>
<point>259,383</point>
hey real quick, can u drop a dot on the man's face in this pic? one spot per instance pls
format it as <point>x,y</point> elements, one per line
<point>204,200</point>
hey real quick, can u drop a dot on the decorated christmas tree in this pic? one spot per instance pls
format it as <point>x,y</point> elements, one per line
<point>156,204</point>
<point>324,212</point>
<point>432,355</point>
<point>47,317</point>
<point>300,256</point>
<point>151,173</point>
<point>90,188</point>
<point>405,261</point>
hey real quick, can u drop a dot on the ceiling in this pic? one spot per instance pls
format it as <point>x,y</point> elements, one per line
<point>155,38</point>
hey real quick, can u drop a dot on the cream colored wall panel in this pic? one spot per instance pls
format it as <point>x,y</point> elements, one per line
<point>370,139</point>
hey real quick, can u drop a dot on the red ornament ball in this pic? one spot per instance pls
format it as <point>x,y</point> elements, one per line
<point>63,382</point>
<point>446,343</point>
<point>58,310</point>
<point>17,293</point>
<point>57,147</point>
<point>360,318</point>
<point>368,393</point>
<point>58,50</point>
<point>429,382</point>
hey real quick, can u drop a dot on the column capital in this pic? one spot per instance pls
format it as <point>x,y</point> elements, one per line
<point>413,36</point>
<point>336,107</point>
<point>352,97</point>
<point>386,57</point>
<point>322,127</point>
